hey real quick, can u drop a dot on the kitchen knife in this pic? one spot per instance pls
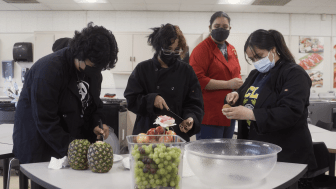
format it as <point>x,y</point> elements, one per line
<point>101,126</point>
<point>176,115</point>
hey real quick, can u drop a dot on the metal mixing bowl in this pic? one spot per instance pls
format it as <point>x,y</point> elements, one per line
<point>231,163</point>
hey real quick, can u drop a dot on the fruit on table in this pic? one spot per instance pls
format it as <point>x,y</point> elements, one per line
<point>226,106</point>
<point>151,131</point>
<point>167,136</point>
<point>77,154</point>
<point>167,139</point>
<point>160,130</point>
<point>167,120</point>
<point>100,157</point>
<point>142,138</point>
<point>156,166</point>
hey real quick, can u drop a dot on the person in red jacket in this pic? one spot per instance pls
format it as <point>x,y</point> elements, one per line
<point>216,65</point>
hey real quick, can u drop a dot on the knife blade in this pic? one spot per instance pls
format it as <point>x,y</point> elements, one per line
<point>176,115</point>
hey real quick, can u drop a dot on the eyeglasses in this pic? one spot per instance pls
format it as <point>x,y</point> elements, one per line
<point>169,52</point>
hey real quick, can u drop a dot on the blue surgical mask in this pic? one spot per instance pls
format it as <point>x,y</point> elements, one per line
<point>264,65</point>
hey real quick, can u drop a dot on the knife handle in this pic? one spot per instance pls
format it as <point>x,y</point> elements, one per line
<point>101,126</point>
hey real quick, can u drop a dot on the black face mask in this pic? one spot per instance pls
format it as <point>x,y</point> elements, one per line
<point>220,34</point>
<point>169,59</point>
<point>92,72</point>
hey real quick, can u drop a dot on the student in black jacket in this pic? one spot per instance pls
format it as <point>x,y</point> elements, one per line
<point>165,82</point>
<point>271,105</point>
<point>60,100</point>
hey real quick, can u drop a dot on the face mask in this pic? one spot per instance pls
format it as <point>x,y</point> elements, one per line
<point>89,71</point>
<point>220,34</point>
<point>169,59</point>
<point>264,65</point>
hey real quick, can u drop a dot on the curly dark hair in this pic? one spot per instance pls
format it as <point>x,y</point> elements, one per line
<point>97,44</point>
<point>164,36</point>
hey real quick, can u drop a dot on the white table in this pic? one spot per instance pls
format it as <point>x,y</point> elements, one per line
<point>316,129</point>
<point>283,176</point>
<point>6,133</point>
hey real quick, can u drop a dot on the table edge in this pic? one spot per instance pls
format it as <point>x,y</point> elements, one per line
<point>5,156</point>
<point>293,180</point>
<point>36,179</point>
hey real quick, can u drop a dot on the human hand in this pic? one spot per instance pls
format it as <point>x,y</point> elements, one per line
<point>160,103</point>
<point>187,125</point>
<point>235,83</point>
<point>105,131</point>
<point>239,113</point>
<point>232,98</point>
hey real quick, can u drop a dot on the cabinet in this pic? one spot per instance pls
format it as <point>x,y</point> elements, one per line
<point>133,49</point>
<point>141,50</point>
<point>192,41</point>
<point>125,53</point>
<point>43,45</point>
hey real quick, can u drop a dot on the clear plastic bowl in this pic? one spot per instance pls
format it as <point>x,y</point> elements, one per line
<point>231,163</point>
<point>176,142</point>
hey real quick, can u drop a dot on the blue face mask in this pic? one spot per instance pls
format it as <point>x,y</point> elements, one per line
<point>264,65</point>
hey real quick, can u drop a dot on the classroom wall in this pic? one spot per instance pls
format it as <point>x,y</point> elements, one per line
<point>19,26</point>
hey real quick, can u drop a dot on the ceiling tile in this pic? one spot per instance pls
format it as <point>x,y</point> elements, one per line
<point>64,6</point>
<point>57,2</point>
<point>308,3</point>
<point>163,7</point>
<point>7,7</point>
<point>230,8</point>
<point>125,6</point>
<point>35,6</point>
<point>196,7</point>
<point>209,2</point>
<point>99,6</point>
<point>261,8</point>
<point>286,9</point>
<point>331,3</point>
<point>127,1</point>
<point>162,1</point>
<point>323,10</point>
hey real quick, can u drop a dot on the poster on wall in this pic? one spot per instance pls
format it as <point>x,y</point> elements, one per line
<point>316,77</point>
<point>334,49</point>
<point>334,75</point>
<point>311,56</point>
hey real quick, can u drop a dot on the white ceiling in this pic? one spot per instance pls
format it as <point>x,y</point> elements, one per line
<point>295,6</point>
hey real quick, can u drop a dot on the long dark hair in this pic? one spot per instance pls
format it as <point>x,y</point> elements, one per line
<point>164,36</point>
<point>263,39</point>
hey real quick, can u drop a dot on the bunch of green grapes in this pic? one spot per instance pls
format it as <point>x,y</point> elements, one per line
<point>156,165</point>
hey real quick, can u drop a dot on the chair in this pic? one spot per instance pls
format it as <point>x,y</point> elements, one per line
<point>322,160</point>
<point>319,179</point>
<point>324,125</point>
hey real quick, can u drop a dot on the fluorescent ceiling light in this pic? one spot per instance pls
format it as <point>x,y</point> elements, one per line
<point>237,2</point>
<point>90,1</point>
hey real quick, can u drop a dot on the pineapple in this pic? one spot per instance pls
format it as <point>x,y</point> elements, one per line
<point>77,154</point>
<point>100,157</point>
